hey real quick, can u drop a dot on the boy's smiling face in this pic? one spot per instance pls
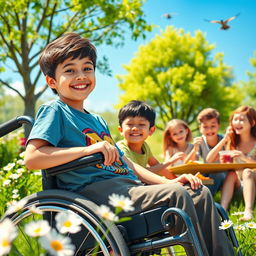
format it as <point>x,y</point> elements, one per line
<point>136,129</point>
<point>74,81</point>
<point>209,128</point>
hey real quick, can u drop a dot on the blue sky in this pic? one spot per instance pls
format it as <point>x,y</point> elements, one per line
<point>238,43</point>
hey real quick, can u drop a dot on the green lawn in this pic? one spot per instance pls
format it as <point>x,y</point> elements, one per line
<point>247,237</point>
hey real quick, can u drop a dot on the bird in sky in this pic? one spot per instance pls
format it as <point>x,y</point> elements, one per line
<point>168,16</point>
<point>223,23</point>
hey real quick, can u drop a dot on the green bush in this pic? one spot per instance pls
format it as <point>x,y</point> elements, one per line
<point>16,181</point>
<point>10,147</point>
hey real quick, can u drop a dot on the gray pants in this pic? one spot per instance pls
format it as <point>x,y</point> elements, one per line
<point>198,204</point>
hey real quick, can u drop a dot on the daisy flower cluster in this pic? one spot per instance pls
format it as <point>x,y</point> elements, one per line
<point>54,241</point>
<point>245,232</point>
<point>8,233</point>
<point>120,203</point>
<point>16,181</point>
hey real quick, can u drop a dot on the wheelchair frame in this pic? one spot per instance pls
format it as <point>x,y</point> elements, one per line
<point>152,234</point>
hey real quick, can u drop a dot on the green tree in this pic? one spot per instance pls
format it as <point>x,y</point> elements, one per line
<point>12,106</point>
<point>249,87</point>
<point>27,26</point>
<point>176,74</point>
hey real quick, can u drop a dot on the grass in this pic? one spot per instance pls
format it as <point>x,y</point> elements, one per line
<point>237,205</point>
<point>245,238</point>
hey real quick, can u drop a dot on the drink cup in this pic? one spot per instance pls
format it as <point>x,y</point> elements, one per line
<point>226,156</point>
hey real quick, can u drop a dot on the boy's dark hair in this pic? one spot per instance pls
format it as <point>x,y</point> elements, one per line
<point>70,45</point>
<point>137,108</point>
<point>208,114</point>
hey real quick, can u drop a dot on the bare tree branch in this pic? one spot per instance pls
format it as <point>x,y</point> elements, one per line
<point>43,16</point>
<point>9,28</point>
<point>17,20</point>
<point>41,91</point>
<point>50,26</point>
<point>12,88</point>
<point>13,56</point>
<point>39,73</point>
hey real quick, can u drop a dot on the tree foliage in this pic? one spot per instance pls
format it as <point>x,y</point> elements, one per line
<point>12,106</point>
<point>27,26</point>
<point>177,75</point>
<point>249,87</point>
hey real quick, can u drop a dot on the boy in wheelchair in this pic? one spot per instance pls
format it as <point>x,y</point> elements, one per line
<point>64,131</point>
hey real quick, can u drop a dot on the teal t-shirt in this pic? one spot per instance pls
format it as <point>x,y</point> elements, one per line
<point>64,126</point>
<point>141,159</point>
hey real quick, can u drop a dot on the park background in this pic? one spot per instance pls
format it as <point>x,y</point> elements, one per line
<point>237,46</point>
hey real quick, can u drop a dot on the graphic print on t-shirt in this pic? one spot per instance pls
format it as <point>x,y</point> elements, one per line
<point>93,137</point>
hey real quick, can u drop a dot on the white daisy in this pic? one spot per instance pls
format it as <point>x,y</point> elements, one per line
<point>225,224</point>
<point>9,166</point>
<point>16,206</point>
<point>22,154</point>
<point>121,201</point>
<point>250,225</point>
<point>37,228</point>
<point>6,183</point>
<point>20,170</point>
<point>15,196</point>
<point>8,233</point>
<point>20,162</point>
<point>239,227</point>
<point>105,212</point>
<point>68,222</point>
<point>14,176</point>
<point>57,244</point>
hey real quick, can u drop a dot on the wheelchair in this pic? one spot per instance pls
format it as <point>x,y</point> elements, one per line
<point>146,233</point>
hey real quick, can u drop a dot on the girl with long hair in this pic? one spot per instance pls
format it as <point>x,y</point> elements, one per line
<point>176,141</point>
<point>241,138</point>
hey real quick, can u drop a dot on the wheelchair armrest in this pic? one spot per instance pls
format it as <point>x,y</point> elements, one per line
<point>14,124</point>
<point>85,161</point>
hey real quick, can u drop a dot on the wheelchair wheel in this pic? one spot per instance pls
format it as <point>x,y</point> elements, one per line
<point>97,237</point>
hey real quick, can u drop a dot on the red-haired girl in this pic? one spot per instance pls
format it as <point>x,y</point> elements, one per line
<point>240,137</point>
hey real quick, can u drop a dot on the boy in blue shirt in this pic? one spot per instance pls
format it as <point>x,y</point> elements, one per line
<point>64,131</point>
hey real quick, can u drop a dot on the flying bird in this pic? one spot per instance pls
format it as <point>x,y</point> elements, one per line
<point>168,16</point>
<point>223,23</point>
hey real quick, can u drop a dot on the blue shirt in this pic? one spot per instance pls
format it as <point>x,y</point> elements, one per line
<point>64,126</point>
